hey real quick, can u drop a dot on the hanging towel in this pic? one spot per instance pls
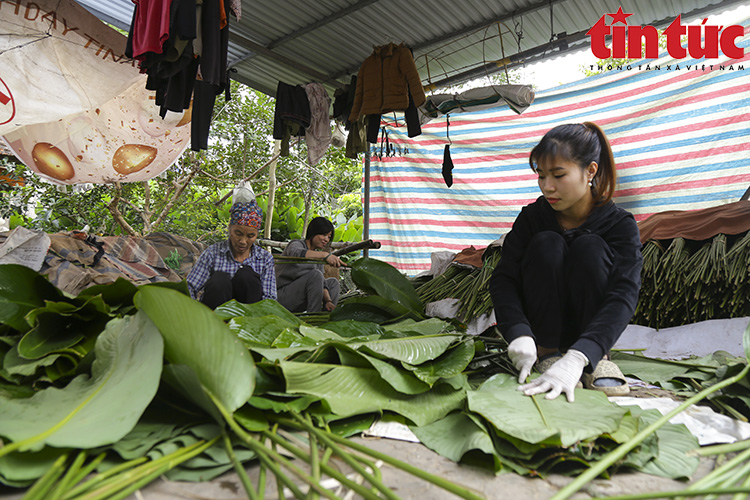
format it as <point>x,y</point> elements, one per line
<point>318,135</point>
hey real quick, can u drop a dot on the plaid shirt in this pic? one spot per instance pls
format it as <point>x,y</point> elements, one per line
<point>218,257</point>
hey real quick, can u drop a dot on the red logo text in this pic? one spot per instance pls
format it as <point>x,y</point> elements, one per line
<point>636,42</point>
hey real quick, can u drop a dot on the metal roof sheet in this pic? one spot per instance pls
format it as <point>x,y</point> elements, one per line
<point>297,41</point>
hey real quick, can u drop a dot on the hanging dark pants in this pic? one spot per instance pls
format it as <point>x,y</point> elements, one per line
<point>564,282</point>
<point>245,287</point>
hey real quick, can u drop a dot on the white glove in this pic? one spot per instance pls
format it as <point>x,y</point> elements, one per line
<point>562,376</point>
<point>522,353</point>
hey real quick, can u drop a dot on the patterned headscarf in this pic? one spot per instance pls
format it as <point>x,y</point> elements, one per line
<point>246,214</point>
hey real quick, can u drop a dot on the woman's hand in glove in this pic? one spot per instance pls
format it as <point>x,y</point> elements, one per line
<point>562,376</point>
<point>522,353</point>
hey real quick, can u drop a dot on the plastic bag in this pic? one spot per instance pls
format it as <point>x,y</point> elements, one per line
<point>243,193</point>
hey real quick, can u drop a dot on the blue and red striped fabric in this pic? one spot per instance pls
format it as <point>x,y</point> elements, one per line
<point>680,136</point>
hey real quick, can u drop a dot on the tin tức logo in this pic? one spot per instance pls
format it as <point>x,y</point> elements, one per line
<point>636,42</point>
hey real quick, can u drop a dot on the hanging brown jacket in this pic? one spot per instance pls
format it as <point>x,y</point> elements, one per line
<point>384,81</point>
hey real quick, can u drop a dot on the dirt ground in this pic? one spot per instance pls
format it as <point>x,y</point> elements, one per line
<point>482,482</point>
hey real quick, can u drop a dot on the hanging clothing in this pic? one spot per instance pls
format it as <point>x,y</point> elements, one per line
<point>149,28</point>
<point>291,114</point>
<point>171,75</point>
<point>384,82</point>
<point>179,43</point>
<point>212,73</point>
<point>236,7</point>
<point>214,44</point>
<point>356,141</point>
<point>343,102</point>
<point>318,134</point>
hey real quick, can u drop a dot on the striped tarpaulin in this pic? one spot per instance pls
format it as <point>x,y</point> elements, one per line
<point>679,130</point>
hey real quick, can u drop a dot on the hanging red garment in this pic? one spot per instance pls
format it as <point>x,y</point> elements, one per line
<point>223,12</point>
<point>150,26</point>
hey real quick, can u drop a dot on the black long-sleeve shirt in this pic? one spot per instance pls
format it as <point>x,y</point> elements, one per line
<point>618,229</point>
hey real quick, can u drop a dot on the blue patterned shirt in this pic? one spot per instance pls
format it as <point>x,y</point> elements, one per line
<point>218,257</point>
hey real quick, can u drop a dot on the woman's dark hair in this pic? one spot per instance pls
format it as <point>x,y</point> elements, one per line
<point>580,143</point>
<point>319,225</point>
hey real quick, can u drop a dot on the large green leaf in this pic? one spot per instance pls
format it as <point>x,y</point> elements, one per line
<point>23,468</point>
<point>380,278</point>
<point>96,410</point>
<point>399,379</point>
<point>372,308</point>
<point>353,329</point>
<point>450,364</point>
<point>266,307</point>
<point>143,437</point>
<point>319,334</point>
<point>280,403</point>
<point>431,326</point>
<point>675,442</point>
<point>196,338</point>
<point>21,291</point>
<point>411,350</point>
<point>277,354</point>
<point>118,295</point>
<point>15,364</point>
<point>539,420</point>
<point>54,332</point>
<point>654,371</point>
<point>352,391</point>
<point>187,383</point>
<point>11,391</point>
<point>454,435</point>
<point>259,330</point>
<point>289,343</point>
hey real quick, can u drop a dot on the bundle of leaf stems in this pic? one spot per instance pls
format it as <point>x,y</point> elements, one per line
<point>694,281</point>
<point>682,282</point>
<point>71,480</point>
<point>468,284</point>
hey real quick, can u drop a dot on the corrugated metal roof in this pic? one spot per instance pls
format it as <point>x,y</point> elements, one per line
<point>297,41</point>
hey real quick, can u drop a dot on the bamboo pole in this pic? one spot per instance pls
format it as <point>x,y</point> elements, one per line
<point>342,247</point>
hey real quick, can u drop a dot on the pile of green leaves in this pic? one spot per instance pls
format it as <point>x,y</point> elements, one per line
<point>167,386</point>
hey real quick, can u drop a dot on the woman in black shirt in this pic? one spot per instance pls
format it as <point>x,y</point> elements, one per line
<point>568,281</point>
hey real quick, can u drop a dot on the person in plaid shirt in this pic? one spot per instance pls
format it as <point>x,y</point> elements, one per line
<point>235,268</point>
